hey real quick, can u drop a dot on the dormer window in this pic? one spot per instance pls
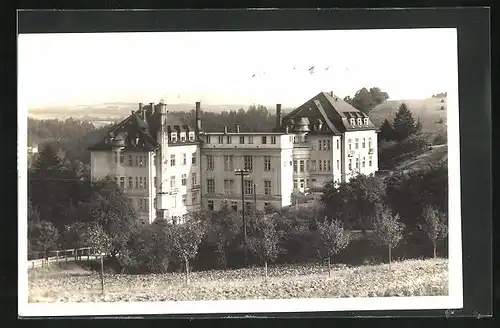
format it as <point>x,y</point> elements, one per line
<point>360,121</point>
<point>191,136</point>
<point>183,136</point>
<point>173,137</point>
<point>366,120</point>
<point>352,121</point>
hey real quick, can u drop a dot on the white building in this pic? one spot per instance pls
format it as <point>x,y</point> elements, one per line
<point>168,169</point>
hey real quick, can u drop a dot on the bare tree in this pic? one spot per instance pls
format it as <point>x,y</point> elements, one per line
<point>388,229</point>
<point>435,226</point>
<point>333,239</point>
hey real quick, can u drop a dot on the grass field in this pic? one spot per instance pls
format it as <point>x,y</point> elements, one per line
<point>408,278</point>
<point>428,110</point>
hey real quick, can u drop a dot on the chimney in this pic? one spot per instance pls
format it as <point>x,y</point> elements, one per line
<point>237,128</point>
<point>331,93</point>
<point>140,106</point>
<point>286,129</point>
<point>225,129</point>
<point>278,116</point>
<point>132,111</point>
<point>197,115</point>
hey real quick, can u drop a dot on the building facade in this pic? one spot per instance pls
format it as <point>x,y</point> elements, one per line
<point>169,169</point>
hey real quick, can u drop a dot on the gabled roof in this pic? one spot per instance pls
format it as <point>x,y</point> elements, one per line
<point>139,130</point>
<point>333,111</point>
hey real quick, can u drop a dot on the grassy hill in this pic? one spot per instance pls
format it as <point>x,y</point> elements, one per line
<point>429,111</point>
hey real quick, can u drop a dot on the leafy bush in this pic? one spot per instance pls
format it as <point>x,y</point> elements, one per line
<point>393,153</point>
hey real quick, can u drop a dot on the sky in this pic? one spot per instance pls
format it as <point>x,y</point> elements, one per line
<point>219,67</point>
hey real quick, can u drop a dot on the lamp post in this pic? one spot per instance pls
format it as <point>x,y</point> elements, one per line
<point>243,173</point>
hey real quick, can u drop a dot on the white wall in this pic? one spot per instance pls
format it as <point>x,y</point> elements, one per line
<point>361,152</point>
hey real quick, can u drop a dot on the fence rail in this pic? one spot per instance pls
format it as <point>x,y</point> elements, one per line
<point>62,255</point>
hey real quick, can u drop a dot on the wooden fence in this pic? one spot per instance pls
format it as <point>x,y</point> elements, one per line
<point>64,255</point>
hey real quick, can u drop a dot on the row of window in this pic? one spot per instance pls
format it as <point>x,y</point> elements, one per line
<point>234,205</point>
<point>229,187</point>
<point>183,159</point>
<point>173,180</point>
<point>303,183</point>
<point>359,121</point>
<point>140,182</point>
<point>173,136</point>
<point>323,165</point>
<point>356,143</point>
<point>363,162</point>
<point>249,139</point>
<point>229,163</point>
<point>133,161</point>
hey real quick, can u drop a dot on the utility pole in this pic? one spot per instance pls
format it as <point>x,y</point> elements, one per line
<point>243,173</point>
<point>254,198</point>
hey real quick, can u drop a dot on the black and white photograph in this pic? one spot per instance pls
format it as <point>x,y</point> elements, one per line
<point>239,171</point>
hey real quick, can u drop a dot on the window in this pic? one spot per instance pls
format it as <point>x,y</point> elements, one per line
<point>172,181</point>
<point>194,198</point>
<point>130,182</point>
<point>320,144</point>
<point>363,144</point>
<point>338,165</point>
<point>154,182</point>
<point>122,182</point>
<point>173,137</point>
<point>250,139</point>
<point>294,166</point>
<point>267,187</point>
<point>313,182</point>
<point>183,136</point>
<point>273,140</point>
<point>122,158</point>
<point>242,139</point>
<point>228,186</point>
<point>370,161</point>
<point>350,145</point>
<point>352,121</point>
<point>140,183</point>
<point>313,165</point>
<point>184,200</point>
<point>184,179</point>
<point>184,159</point>
<point>191,136</point>
<point>356,144</point>
<point>301,165</point>
<point>360,121</point>
<point>370,143</point>
<point>136,183</point>
<point>234,206</point>
<point>248,163</point>
<point>115,157</point>
<point>264,140</point>
<point>366,120</point>
<point>329,165</point>
<point>320,162</point>
<point>221,139</point>
<point>228,139</point>
<point>145,183</point>
<point>208,139</point>
<point>193,159</point>
<point>357,163</point>
<point>328,144</point>
<point>130,160</point>
<point>228,163</point>
<point>363,163</point>
<point>210,186</point>
<point>307,165</point>
<point>295,183</point>
<point>338,144</point>
<point>193,179</point>
<point>248,187</point>
<point>350,164</point>
<point>210,162</point>
<point>210,205</point>
<point>143,204</point>
<point>301,183</point>
<point>267,163</point>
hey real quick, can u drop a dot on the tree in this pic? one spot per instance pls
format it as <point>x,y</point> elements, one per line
<point>226,226</point>
<point>388,229</point>
<point>378,96</point>
<point>404,123</point>
<point>113,211</point>
<point>365,100</point>
<point>355,202</point>
<point>264,239</point>
<point>333,238</point>
<point>435,226</point>
<point>386,131</point>
<point>95,236</point>
<point>42,236</point>
<point>185,239</point>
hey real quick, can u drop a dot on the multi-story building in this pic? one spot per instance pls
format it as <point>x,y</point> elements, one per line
<point>169,169</point>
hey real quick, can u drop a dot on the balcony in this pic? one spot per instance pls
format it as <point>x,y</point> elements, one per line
<point>173,191</point>
<point>301,145</point>
<point>195,186</point>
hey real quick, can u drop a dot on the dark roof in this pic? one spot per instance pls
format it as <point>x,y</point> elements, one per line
<point>139,130</point>
<point>333,111</point>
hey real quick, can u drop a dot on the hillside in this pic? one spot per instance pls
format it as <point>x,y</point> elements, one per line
<point>428,110</point>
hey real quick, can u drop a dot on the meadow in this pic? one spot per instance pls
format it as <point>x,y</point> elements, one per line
<point>72,283</point>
